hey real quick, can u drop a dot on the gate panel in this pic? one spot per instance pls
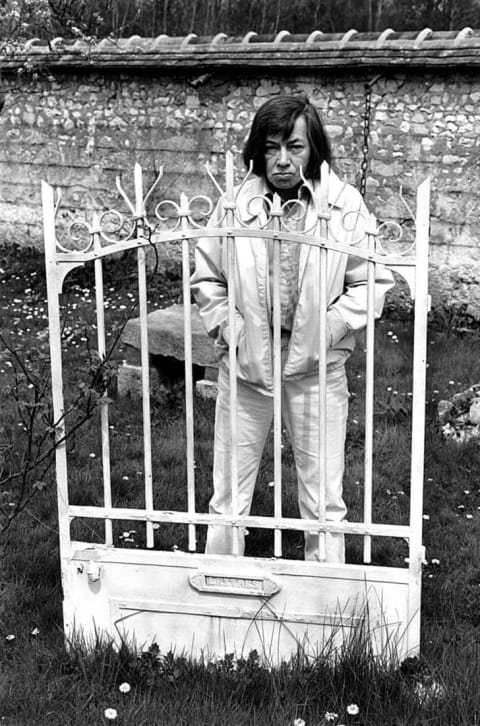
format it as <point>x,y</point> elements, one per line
<point>210,605</point>
<point>204,606</point>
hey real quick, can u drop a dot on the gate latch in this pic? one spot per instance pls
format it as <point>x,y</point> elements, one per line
<point>93,571</point>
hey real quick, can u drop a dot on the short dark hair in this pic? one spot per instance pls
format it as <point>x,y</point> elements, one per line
<point>278,116</point>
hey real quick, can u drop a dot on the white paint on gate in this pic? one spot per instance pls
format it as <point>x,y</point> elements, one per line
<point>198,604</point>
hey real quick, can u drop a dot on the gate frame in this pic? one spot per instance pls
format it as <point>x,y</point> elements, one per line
<point>87,569</point>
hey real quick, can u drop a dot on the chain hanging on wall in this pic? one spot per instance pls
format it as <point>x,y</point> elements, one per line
<point>366,133</point>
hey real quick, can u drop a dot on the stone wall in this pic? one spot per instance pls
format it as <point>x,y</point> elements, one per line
<point>81,129</point>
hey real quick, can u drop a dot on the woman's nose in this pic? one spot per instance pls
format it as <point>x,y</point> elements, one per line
<point>283,157</point>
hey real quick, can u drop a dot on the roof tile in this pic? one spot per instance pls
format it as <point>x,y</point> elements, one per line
<point>315,50</point>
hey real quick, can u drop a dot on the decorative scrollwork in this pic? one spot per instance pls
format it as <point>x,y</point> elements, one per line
<point>113,227</point>
<point>212,176</point>
<point>302,215</point>
<point>391,239</point>
<point>393,235</point>
<point>263,203</point>
<point>350,221</point>
<point>294,214</point>
<point>389,230</point>
<point>79,237</point>
<point>355,220</point>
<point>109,227</point>
<point>196,211</point>
<point>168,221</point>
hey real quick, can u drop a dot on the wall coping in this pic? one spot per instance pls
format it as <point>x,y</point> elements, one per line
<point>350,50</point>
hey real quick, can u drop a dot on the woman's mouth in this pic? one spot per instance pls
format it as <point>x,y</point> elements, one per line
<point>283,176</point>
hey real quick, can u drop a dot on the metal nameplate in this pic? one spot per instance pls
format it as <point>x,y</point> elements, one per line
<point>256,585</point>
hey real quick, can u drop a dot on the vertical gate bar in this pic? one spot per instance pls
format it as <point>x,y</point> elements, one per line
<point>322,356</point>
<point>418,414</point>
<point>144,355</point>
<point>277,375</point>
<point>53,290</point>
<point>369,391</point>
<point>232,352</point>
<point>100,312</point>
<point>187,311</point>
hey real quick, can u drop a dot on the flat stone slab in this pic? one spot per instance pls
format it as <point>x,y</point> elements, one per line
<point>166,335</point>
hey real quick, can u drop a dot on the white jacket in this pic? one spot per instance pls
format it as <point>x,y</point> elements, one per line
<point>346,291</point>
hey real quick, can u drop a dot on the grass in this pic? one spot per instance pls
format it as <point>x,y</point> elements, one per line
<point>42,683</point>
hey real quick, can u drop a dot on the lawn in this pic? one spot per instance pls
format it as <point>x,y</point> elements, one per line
<point>42,683</point>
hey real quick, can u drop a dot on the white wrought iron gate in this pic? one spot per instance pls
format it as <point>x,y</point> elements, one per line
<point>204,604</point>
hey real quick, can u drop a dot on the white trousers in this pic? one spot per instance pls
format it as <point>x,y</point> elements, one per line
<point>300,411</point>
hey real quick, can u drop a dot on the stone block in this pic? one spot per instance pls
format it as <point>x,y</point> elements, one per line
<point>206,389</point>
<point>166,335</point>
<point>166,353</point>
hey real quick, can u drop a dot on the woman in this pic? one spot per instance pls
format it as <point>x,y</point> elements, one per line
<point>287,144</point>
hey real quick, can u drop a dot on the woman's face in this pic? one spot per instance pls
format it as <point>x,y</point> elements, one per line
<point>284,158</point>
